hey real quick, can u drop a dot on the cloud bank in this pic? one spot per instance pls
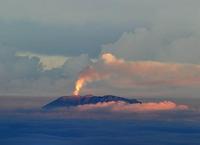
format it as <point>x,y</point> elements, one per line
<point>140,75</point>
<point>134,108</point>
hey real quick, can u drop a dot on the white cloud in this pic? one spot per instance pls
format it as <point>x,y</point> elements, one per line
<point>124,107</point>
<point>48,62</point>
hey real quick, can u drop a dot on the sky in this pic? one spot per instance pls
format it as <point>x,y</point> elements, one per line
<point>148,50</point>
<point>135,47</point>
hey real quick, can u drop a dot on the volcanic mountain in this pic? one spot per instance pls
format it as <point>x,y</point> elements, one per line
<point>70,101</point>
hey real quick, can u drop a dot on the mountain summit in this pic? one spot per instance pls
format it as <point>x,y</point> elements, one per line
<point>70,101</point>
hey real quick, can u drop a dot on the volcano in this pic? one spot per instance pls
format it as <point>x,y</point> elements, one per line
<point>70,101</point>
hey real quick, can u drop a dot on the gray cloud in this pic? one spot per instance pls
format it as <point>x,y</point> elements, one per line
<point>154,30</point>
<point>110,11</point>
<point>67,40</point>
<point>145,44</point>
<point>56,27</point>
<point>24,75</point>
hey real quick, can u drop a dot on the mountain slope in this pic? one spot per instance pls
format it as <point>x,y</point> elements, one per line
<point>69,101</point>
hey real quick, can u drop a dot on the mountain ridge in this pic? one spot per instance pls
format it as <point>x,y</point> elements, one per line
<point>70,101</point>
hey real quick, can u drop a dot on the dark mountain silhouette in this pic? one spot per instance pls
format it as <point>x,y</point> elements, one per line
<point>69,101</point>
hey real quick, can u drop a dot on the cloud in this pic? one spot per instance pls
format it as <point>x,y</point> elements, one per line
<point>124,107</point>
<point>106,75</point>
<point>148,44</point>
<point>79,12</point>
<point>158,42</point>
<point>152,106</point>
<point>119,74</point>
<point>30,74</point>
<point>31,107</point>
<point>48,62</point>
<point>37,130</point>
<point>16,68</point>
<point>143,72</point>
<point>156,30</point>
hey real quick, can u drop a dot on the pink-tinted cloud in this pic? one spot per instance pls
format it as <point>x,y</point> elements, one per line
<point>152,106</point>
<point>123,74</point>
<point>152,72</point>
<point>124,107</point>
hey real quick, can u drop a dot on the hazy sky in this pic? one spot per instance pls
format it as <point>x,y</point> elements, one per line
<point>44,45</point>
